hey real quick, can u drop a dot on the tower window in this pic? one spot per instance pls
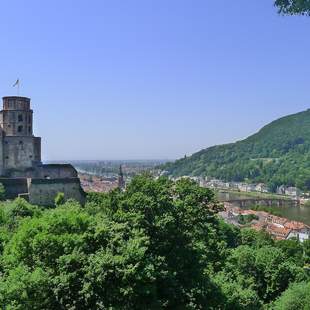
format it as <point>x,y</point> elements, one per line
<point>20,142</point>
<point>29,129</point>
<point>20,117</point>
<point>20,128</point>
<point>29,119</point>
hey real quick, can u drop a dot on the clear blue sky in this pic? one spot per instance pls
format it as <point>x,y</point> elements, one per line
<point>152,78</point>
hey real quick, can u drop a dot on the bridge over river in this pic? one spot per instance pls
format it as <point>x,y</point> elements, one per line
<point>246,202</point>
<point>284,206</point>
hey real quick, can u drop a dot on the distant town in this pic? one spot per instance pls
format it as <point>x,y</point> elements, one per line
<point>102,176</point>
<point>290,191</point>
<point>280,228</point>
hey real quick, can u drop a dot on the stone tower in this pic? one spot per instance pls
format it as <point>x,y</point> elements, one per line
<point>19,149</point>
<point>21,170</point>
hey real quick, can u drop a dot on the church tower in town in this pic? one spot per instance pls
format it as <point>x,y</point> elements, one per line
<point>121,180</point>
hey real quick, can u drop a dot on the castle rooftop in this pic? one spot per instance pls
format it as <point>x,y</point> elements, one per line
<point>16,97</point>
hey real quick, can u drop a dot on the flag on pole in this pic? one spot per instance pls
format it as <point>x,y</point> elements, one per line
<point>16,83</point>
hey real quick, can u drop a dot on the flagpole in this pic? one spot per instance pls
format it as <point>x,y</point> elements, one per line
<point>17,84</point>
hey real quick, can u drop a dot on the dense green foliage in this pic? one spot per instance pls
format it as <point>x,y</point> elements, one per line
<point>278,154</point>
<point>2,192</point>
<point>297,297</point>
<point>293,7</point>
<point>158,245</point>
<point>246,219</point>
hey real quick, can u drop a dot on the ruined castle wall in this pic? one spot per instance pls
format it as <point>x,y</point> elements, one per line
<point>45,172</point>
<point>37,149</point>
<point>20,152</point>
<point>1,153</point>
<point>14,186</point>
<point>21,173</point>
<point>43,191</point>
<point>56,171</point>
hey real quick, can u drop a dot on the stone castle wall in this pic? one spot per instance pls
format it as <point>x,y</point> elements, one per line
<point>14,187</point>
<point>21,152</point>
<point>43,191</point>
<point>54,171</point>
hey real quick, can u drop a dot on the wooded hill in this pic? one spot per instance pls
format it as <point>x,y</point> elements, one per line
<point>278,154</point>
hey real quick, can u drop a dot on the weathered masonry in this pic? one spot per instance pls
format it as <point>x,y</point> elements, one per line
<point>19,148</point>
<point>21,170</point>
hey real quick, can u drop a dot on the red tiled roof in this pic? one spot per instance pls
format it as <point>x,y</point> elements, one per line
<point>258,226</point>
<point>294,225</point>
<point>279,232</point>
<point>247,212</point>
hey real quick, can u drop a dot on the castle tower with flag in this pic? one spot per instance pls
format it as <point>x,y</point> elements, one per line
<point>20,149</point>
<point>21,170</point>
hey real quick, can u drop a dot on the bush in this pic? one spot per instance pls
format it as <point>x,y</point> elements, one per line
<point>296,297</point>
<point>2,192</point>
<point>15,211</point>
<point>59,199</point>
<point>246,219</point>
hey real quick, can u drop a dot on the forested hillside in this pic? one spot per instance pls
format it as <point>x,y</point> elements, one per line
<point>158,245</point>
<point>278,154</point>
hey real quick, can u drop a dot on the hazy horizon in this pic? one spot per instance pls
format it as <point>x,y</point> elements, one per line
<point>146,79</point>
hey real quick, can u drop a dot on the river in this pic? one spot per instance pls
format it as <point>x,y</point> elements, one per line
<point>296,213</point>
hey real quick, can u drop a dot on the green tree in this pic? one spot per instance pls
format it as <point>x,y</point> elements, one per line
<point>293,250</point>
<point>293,6</point>
<point>27,288</point>
<point>306,249</point>
<point>236,296</point>
<point>154,247</point>
<point>15,211</point>
<point>255,239</point>
<point>263,270</point>
<point>296,297</point>
<point>85,263</point>
<point>2,192</point>
<point>157,245</point>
